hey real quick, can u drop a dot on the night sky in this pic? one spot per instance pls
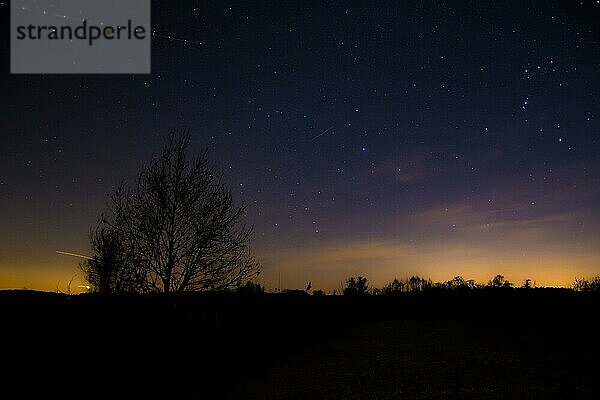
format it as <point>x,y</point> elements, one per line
<point>376,138</point>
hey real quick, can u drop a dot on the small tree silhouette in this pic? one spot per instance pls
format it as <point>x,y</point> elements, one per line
<point>584,285</point>
<point>395,286</point>
<point>527,284</point>
<point>251,288</point>
<point>499,281</point>
<point>472,284</point>
<point>356,286</point>
<point>418,284</point>
<point>457,283</point>
<point>176,229</point>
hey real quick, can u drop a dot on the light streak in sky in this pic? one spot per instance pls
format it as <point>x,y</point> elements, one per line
<point>322,133</point>
<point>66,253</point>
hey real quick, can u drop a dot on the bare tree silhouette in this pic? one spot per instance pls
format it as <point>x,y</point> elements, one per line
<point>177,229</point>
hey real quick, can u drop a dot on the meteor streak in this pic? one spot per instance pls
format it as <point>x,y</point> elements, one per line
<point>322,133</point>
<point>66,253</point>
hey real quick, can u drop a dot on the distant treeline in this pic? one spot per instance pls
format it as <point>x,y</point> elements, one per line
<point>359,285</point>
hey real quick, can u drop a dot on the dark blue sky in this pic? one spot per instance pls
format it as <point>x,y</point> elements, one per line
<point>383,138</point>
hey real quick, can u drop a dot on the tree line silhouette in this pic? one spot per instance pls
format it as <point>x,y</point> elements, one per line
<point>359,285</point>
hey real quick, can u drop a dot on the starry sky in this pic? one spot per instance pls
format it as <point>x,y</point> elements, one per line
<point>379,138</point>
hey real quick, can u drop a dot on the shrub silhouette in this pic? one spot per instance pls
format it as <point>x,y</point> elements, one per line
<point>356,286</point>
<point>527,284</point>
<point>499,281</point>
<point>394,287</point>
<point>584,285</point>
<point>251,288</point>
<point>457,283</point>
<point>418,284</point>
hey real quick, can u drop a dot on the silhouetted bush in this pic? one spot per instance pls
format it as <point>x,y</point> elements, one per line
<point>418,284</point>
<point>527,284</point>
<point>356,286</point>
<point>583,285</point>
<point>457,283</point>
<point>251,288</point>
<point>295,292</point>
<point>394,287</point>
<point>498,281</point>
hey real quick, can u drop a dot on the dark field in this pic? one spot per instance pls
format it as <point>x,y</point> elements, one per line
<point>438,359</point>
<point>540,344</point>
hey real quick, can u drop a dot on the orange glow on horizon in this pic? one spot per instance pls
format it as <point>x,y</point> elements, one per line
<point>439,243</point>
<point>327,267</point>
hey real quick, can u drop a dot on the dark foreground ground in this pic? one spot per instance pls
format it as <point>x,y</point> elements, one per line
<point>540,344</point>
<point>437,359</point>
